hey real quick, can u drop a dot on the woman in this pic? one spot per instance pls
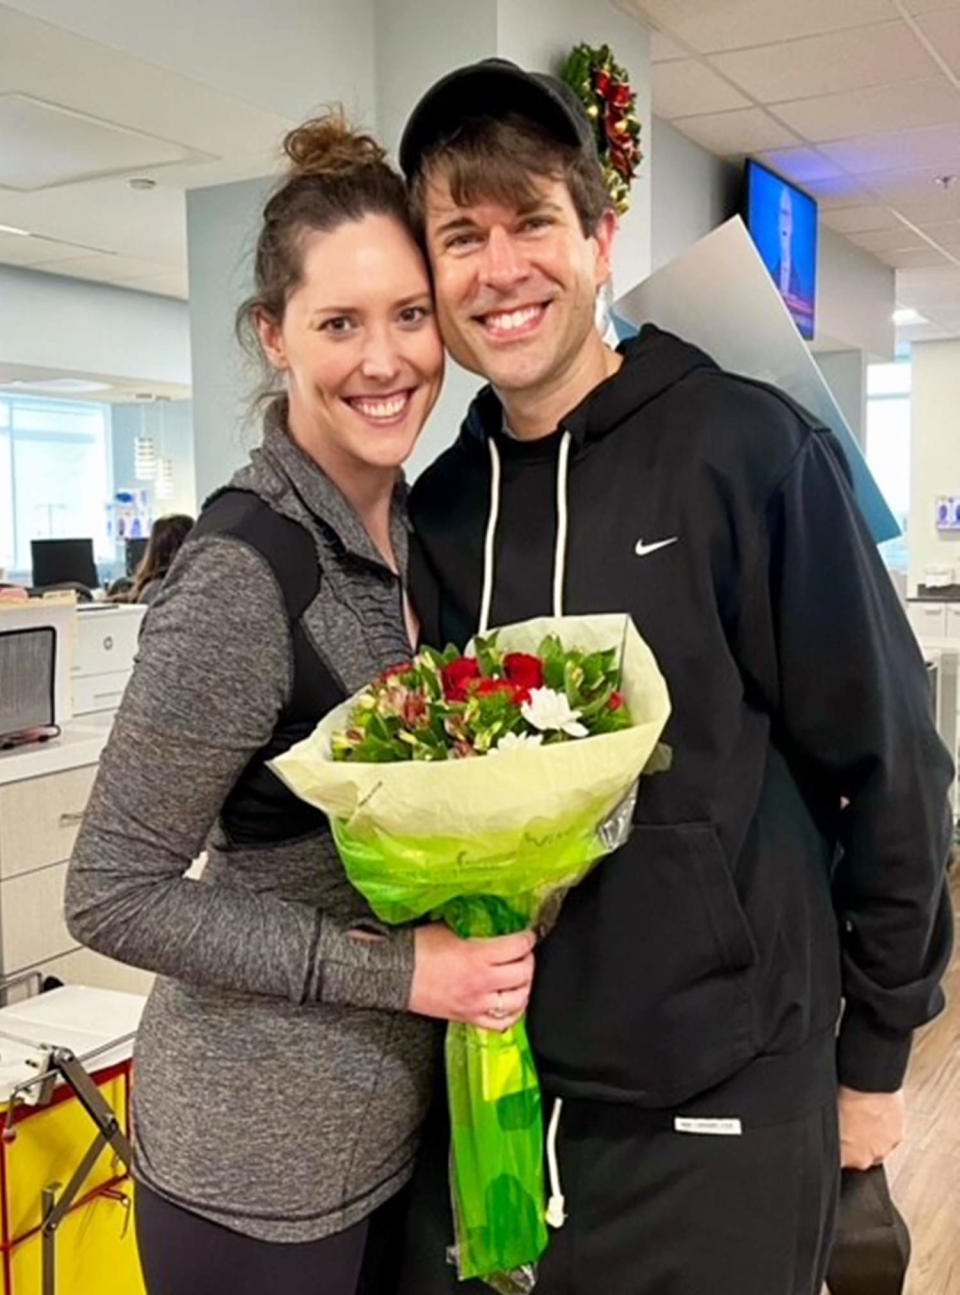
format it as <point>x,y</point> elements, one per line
<point>283,1063</point>
<point>166,536</point>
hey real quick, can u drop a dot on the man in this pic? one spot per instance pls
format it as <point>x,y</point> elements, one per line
<point>785,273</point>
<point>685,1006</point>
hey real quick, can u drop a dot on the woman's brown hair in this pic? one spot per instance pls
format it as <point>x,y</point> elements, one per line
<point>166,536</point>
<point>335,175</point>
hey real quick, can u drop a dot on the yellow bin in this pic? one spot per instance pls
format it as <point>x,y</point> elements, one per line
<point>94,1249</point>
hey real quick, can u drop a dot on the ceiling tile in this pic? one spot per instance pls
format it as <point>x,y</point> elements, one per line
<point>943,30</point>
<point>914,188</point>
<point>937,287</point>
<point>733,134</point>
<point>931,209</point>
<point>689,88</point>
<point>662,48</point>
<point>930,6</point>
<point>801,165</point>
<point>709,26</point>
<point>897,150</point>
<point>847,191</point>
<point>914,258</point>
<point>947,235</point>
<point>926,102</point>
<point>831,64</point>
<point>853,220</point>
<point>900,239</point>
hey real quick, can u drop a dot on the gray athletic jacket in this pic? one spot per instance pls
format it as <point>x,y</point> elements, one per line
<point>279,1083</point>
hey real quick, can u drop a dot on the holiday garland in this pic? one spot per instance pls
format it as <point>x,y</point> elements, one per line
<point>611,103</point>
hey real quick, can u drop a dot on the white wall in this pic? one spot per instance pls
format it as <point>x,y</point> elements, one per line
<point>845,373</point>
<point>692,192</point>
<point>934,454</point>
<point>48,321</point>
<point>222,226</point>
<point>855,298</point>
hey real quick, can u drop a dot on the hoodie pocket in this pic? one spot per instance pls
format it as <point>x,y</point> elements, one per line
<point>643,989</point>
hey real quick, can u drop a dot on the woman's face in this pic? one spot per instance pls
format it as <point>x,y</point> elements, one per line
<point>359,346</point>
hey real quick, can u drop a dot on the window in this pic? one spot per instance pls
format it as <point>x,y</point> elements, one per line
<point>888,447</point>
<point>54,476</point>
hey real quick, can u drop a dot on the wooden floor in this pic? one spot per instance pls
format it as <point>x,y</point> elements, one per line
<point>925,1172</point>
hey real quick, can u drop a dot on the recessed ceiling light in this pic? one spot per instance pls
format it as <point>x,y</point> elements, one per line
<point>904,315</point>
<point>12,229</point>
<point>142,182</point>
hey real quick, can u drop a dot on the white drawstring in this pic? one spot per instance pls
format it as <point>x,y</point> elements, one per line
<point>489,544</point>
<point>560,552</point>
<point>556,1211</point>
<point>491,536</point>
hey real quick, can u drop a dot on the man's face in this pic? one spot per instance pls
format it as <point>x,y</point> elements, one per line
<point>515,290</point>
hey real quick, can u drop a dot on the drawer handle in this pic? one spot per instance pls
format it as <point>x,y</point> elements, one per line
<point>71,820</point>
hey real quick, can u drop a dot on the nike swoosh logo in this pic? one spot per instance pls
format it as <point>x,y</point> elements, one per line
<point>643,549</point>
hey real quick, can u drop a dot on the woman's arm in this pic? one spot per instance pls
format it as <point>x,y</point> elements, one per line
<point>212,674</point>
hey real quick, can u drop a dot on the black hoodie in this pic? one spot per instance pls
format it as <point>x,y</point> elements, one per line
<point>796,849</point>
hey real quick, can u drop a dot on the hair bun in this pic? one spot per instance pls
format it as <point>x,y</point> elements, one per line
<point>327,146</point>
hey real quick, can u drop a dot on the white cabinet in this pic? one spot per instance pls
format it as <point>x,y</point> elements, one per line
<point>953,622</point>
<point>40,818</point>
<point>44,790</point>
<point>929,620</point>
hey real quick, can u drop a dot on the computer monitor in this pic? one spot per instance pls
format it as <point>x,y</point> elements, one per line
<point>134,551</point>
<point>58,562</point>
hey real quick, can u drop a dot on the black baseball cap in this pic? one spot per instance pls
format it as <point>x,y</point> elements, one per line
<point>494,86</point>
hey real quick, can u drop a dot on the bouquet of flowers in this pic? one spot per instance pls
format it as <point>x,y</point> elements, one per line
<point>567,713</point>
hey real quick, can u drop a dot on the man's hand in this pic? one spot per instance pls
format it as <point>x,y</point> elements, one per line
<point>871,1125</point>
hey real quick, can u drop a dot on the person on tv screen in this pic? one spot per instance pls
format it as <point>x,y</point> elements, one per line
<point>785,273</point>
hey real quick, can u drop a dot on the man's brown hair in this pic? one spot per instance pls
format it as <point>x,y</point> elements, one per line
<point>499,159</point>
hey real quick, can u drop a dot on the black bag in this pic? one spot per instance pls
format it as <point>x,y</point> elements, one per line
<point>871,1249</point>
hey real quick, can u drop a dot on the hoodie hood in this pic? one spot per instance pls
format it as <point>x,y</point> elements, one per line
<point>653,362</point>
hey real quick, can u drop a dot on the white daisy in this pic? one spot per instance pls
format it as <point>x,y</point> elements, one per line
<point>516,742</point>
<point>548,709</point>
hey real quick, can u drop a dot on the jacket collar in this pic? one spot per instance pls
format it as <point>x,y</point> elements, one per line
<point>285,475</point>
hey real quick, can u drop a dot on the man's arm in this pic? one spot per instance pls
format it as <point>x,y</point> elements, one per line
<point>849,692</point>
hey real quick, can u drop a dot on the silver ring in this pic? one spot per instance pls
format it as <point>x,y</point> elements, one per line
<point>498,1011</point>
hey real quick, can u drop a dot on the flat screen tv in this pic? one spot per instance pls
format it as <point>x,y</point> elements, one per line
<point>782,221</point>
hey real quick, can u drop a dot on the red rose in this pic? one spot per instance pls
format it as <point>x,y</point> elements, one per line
<point>523,670</point>
<point>601,82</point>
<point>457,675</point>
<point>404,667</point>
<point>488,687</point>
<point>615,702</point>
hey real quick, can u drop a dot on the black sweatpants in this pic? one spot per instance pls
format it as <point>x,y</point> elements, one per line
<point>184,1254</point>
<point>654,1211</point>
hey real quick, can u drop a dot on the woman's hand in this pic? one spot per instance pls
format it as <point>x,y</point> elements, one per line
<point>482,982</point>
